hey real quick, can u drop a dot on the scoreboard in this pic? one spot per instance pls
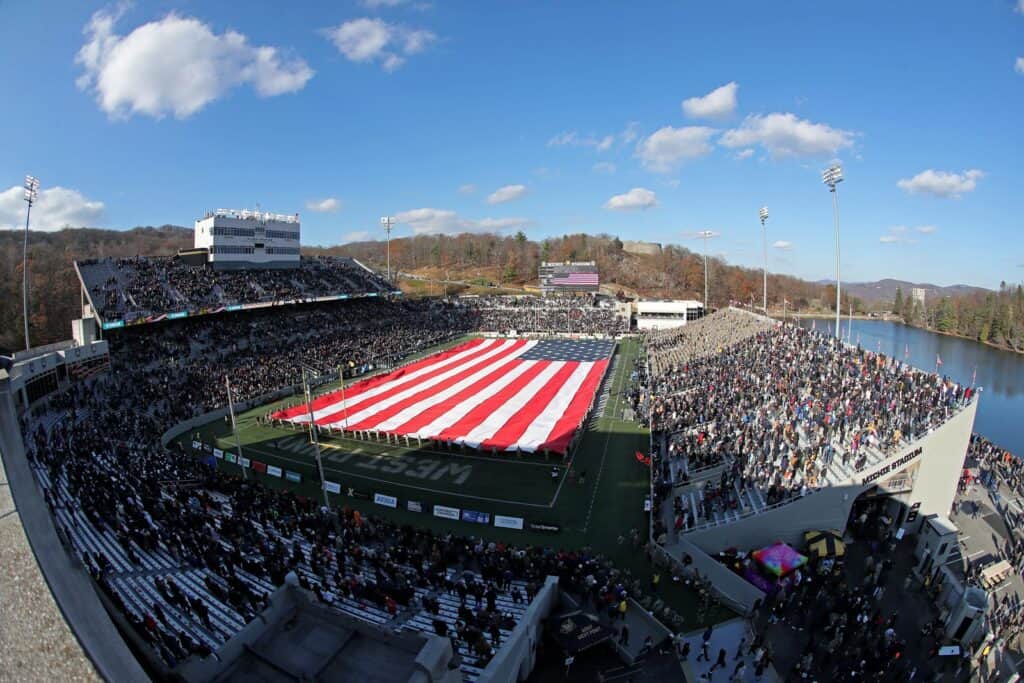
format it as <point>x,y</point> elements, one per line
<point>568,277</point>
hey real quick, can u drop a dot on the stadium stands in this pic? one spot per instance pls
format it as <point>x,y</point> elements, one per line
<point>749,414</point>
<point>525,314</point>
<point>155,286</point>
<point>189,554</point>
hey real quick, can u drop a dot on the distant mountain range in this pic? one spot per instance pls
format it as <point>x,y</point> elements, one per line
<point>885,290</point>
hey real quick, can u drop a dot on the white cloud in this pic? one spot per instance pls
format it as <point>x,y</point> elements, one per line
<point>506,194</point>
<point>899,234</point>
<point>669,147</point>
<point>369,40</point>
<point>631,132</point>
<point>429,221</point>
<point>637,198</point>
<point>604,167</point>
<point>787,135</point>
<point>327,205</point>
<point>699,234</point>
<point>745,153</point>
<point>55,208</point>
<point>377,4</point>
<point>720,103</point>
<point>1019,9</point>
<point>177,65</point>
<point>942,183</point>
<point>782,244</point>
<point>1018,66</point>
<point>355,236</point>
<point>468,188</point>
<point>571,138</point>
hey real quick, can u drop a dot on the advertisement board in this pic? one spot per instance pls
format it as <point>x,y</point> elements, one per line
<point>386,501</point>
<point>476,517</point>
<point>446,512</point>
<point>508,522</point>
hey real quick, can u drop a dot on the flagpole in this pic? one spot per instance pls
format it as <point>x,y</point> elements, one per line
<point>234,428</point>
<point>344,403</point>
<point>312,431</point>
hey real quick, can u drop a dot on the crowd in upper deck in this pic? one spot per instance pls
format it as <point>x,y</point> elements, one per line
<point>123,287</point>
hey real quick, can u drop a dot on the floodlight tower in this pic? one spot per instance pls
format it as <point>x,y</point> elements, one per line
<point>832,176</point>
<point>387,222</point>
<point>31,193</point>
<point>764,231</point>
<point>705,235</point>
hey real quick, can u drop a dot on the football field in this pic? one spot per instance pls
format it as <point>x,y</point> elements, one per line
<point>553,490</point>
<point>596,510</point>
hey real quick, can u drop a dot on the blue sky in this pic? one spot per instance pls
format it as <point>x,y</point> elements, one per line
<point>648,120</point>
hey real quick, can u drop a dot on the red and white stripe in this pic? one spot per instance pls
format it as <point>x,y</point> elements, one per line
<point>480,394</point>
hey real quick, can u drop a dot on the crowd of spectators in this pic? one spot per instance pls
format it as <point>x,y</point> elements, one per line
<point>670,349</point>
<point>140,285</point>
<point>524,314</point>
<point>100,462</point>
<point>1002,474</point>
<point>775,404</point>
<point>845,625</point>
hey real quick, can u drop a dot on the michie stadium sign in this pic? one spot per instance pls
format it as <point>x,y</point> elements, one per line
<point>892,466</point>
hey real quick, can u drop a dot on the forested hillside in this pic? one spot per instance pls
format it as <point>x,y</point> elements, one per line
<point>995,318</point>
<point>511,260</point>
<point>53,285</point>
<point>675,271</point>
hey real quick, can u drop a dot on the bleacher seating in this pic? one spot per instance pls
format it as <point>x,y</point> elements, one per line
<point>155,286</point>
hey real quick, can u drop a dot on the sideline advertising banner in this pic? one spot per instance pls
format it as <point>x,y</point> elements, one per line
<point>386,501</point>
<point>446,512</point>
<point>508,522</point>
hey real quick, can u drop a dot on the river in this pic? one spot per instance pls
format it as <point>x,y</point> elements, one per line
<point>1000,373</point>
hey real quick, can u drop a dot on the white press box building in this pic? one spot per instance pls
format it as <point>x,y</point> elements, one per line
<point>661,314</point>
<point>239,238</point>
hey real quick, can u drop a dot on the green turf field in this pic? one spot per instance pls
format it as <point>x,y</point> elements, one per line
<point>595,512</point>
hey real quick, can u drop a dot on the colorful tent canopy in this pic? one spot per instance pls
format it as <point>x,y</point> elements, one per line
<point>825,543</point>
<point>779,559</point>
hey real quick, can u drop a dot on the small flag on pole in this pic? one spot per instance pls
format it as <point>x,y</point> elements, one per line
<point>906,351</point>
<point>938,360</point>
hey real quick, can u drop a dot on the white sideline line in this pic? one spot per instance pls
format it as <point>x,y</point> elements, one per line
<point>600,470</point>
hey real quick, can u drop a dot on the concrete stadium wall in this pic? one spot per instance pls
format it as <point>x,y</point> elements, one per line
<point>941,457</point>
<point>517,656</point>
<point>733,590</point>
<point>944,453</point>
<point>67,580</point>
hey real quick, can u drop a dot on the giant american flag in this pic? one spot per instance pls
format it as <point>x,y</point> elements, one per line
<point>503,394</point>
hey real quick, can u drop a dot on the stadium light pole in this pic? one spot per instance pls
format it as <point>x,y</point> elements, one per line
<point>387,222</point>
<point>234,427</point>
<point>312,430</point>
<point>832,176</point>
<point>764,232</point>
<point>705,235</point>
<point>31,193</point>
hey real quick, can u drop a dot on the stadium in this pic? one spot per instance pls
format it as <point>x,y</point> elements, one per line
<point>248,466</point>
